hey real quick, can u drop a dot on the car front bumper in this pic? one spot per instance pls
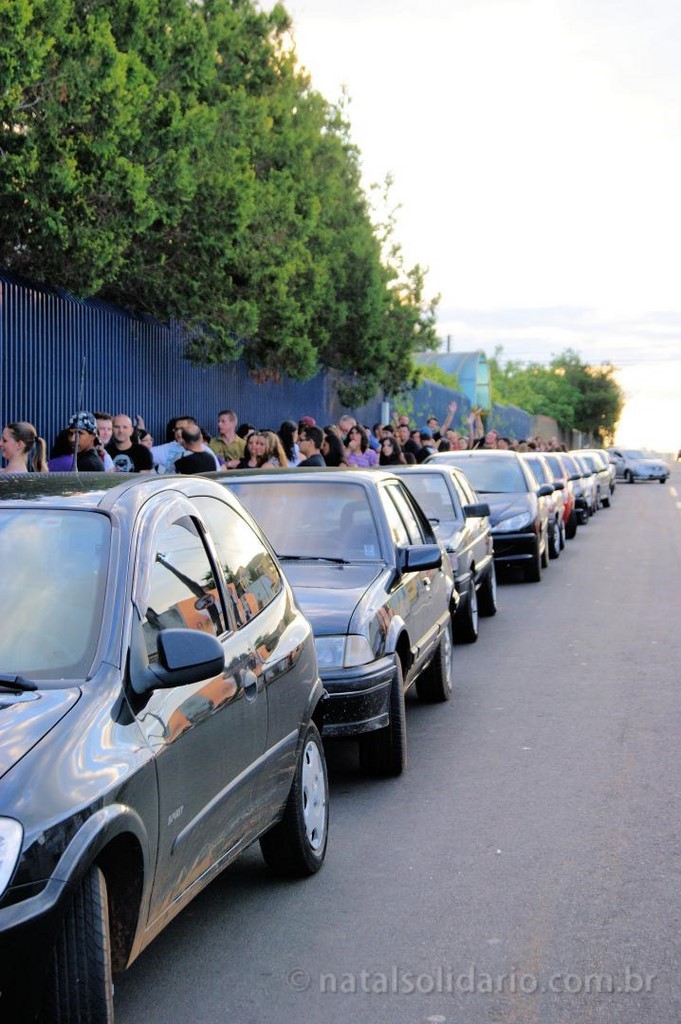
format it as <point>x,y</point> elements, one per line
<point>514,547</point>
<point>358,698</point>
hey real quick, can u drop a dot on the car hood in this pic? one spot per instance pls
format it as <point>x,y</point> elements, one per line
<point>328,594</point>
<point>646,463</point>
<point>503,506</point>
<point>26,717</point>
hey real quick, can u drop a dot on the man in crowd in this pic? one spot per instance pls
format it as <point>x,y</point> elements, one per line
<point>228,446</point>
<point>127,455</point>
<point>310,443</point>
<point>165,456</point>
<point>83,439</point>
<point>196,460</point>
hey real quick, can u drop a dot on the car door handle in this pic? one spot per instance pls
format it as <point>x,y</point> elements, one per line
<point>426,582</point>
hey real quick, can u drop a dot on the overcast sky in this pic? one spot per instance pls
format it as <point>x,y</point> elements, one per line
<point>535,147</point>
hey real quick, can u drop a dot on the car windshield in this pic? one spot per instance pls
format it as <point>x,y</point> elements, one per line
<point>491,475</point>
<point>312,519</point>
<point>555,466</point>
<point>434,497</point>
<point>53,578</point>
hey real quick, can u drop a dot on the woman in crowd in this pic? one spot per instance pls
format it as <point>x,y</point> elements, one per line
<point>357,448</point>
<point>276,456</point>
<point>391,452</point>
<point>23,450</point>
<point>333,449</point>
<point>288,435</point>
<point>255,456</point>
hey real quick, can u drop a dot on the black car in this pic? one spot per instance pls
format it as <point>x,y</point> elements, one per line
<point>461,522</point>
<point>159,704</point>
<point>368,571</point>
<point>519,513</point>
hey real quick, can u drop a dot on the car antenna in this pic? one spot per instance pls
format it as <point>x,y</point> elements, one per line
<point>81,399</point>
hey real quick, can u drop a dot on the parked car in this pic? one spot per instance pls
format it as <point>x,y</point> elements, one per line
<point>555,503</point>
<point>631,465</point>
<point>601,475</point>
<point>461,522</point>
<point>369,573</point>
<point>560,472</point>
<point>160,711</point>
<point>519,516</point>
<point>585,486</point>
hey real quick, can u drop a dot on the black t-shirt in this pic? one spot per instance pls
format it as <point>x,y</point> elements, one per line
<point>314,460</point>
<point>196,462</point>
<point>90,462</point>
<point>134,459</point>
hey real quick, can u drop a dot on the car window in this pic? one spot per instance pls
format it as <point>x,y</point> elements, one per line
<point>415,534</point>
<point>250,572</point>
<point>54,570</point>
<point>537,468</point>
<point>467,495</point>
<point>182,589</point>
<point>492,475</point>
<point>398,530</point>
<point>434,497</point>
<point>312,518</point>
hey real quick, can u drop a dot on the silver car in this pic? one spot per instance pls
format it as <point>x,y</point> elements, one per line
<point>632,465</point>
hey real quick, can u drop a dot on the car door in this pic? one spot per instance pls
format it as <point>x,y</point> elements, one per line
<point>478,533</point>
<point>278,639</point>
<point>426,587</point>
<point>206,736</point>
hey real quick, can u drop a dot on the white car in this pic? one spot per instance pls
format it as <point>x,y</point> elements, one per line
<point>632,465</point>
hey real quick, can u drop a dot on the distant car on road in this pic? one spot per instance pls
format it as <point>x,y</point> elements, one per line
<point>372,578</point>
<point>632,464</point>
<point>160,695</point>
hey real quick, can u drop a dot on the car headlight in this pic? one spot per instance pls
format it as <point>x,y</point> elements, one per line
<point>514,523</point>
<point>343,651</point>
<point>11,836</point>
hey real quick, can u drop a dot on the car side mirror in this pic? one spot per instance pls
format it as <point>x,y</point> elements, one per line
<point>184,656</point>
<point>418,557</point>
<point>545,491</point>
<point>476,511</point>
<point>558,485</point>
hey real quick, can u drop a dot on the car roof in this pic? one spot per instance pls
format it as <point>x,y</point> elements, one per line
<point>96,490</point>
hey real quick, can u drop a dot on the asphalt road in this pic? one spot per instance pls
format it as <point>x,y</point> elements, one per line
<point>525,868</point>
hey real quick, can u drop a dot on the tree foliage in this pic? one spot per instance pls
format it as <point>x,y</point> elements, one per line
<point>576,395</point>
<point>170,156</point>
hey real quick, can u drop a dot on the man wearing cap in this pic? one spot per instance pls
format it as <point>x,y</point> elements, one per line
<point>82,438</point>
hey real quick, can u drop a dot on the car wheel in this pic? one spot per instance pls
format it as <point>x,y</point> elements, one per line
<point>534,568</point>
<point>663,479</point>
<point>297,845</point>
<point>571,525</point>
<point>80,986</point>
<point>605,502</point>
<point>466,619</point>
<point>487,595</point>
<point>628,476</point>
<point>384,751</point>
<point>435,683</point>
<point>561,534</point>
<point>545,552</point>
<point>554,541</point>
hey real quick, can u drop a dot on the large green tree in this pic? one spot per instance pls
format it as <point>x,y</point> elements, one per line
<point>170,156</point>
<point>578,396</point>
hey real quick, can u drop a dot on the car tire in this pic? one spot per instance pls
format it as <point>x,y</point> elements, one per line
<point>561,534</point>
<point>383,752</point>
<point>571,525</point>
<point>663,479</point>
<point>628,476</point>
<point>554,541</point>
<point>80,986</point>
<point>435,683</point>
<point>545,552</point>
<point>487,595</point>
<point>296,847</point>
<point>605,502</point>
<point>533,569</point>
<point>466,619</point>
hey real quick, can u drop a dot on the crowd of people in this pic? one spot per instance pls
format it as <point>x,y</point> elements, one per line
<point>101,442</point>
